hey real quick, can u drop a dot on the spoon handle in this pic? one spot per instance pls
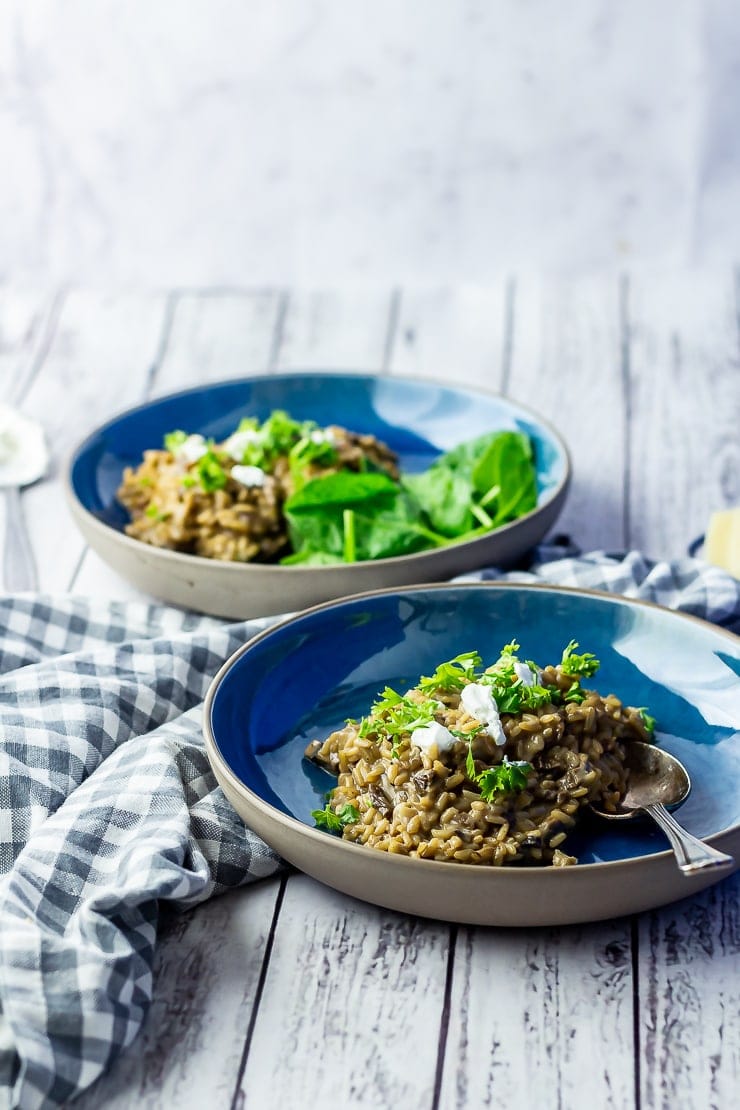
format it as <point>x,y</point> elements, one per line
<point>692,855</point>
<point>19,568</point>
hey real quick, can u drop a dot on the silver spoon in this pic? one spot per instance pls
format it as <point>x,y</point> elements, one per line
<point>657,780</point>
<point>23,460</point>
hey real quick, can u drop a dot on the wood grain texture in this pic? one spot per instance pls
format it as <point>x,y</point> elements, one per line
<point>220,335</point>
<point>542,1011</point>
<point>348,329</point>
<point>567,364</point>
<point>689,990</point>
<point>97,363</point>
<point>351,1006</point>
<point>27,324</point>
<point>684,383</point>
<point>456,335</point>
<point>207,967</point>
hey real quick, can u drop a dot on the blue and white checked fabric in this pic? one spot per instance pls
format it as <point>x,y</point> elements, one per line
<point>108,808</point>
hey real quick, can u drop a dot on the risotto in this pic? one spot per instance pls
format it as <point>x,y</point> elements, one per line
<point>481,765</point>
<point>225,500</point>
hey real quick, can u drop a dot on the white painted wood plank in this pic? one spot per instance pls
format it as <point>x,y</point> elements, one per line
<point>566,363</point>
<point>541,1014</point>
<point>456,335</point>
<point>207,967</point>
<point>351,1006</point>
<point>27,321</point>
<point>348,329</point>
<point>689,960</point>
<point>98,363</point>
<point>684,403</point>
<point>220,335</point>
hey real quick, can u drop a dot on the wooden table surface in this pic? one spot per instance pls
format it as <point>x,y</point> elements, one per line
<point>288,994</point>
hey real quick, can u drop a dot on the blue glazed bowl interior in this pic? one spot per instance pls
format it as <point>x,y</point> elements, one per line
<point>417,419</point>
<point>301,680</point>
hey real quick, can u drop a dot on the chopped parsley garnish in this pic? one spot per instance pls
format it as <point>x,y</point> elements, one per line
<point>575,693</point>
<point>210,471</point>
<point>508,777</point>
<point>173,440</point>
<point>579,665</point>
<point>508,689</point>
<point>275,437</point>
<point>313,448</point>
<point>155,513</point>
<point>647,720</point>
<point>396,716</point>
<point>452,675</point>
<point>334,821</point>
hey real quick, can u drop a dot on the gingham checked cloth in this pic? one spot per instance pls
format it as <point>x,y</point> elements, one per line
<point>108,808</point>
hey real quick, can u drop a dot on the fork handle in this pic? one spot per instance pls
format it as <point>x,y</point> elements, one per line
<point>691,854</point>
<point>19,567</point>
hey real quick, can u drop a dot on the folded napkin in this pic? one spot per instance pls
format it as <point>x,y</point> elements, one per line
<point>108,807</point>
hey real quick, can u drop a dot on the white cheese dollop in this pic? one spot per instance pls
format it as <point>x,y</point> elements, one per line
<point>191,449</point>
<point>23,453</point>
<point>433,735</point>
<point>249,476</point>
<point>238,442</point>
<point>479,703</point>
<point>526,674</point>
<point>323,435</point>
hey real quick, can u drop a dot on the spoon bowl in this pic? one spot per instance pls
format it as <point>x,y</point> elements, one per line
<point>658,782</point>
<point>24,459</point>
<point>655,777</point>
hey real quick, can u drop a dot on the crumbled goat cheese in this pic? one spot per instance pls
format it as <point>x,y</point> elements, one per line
<point>433,735</point>
<point>237,443</point>
<point>191,449</point>
<point>526,674</point>
<point>249,476</point>
<point>479,703</point>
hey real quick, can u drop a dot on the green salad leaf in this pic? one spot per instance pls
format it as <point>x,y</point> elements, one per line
<point>445,497</point>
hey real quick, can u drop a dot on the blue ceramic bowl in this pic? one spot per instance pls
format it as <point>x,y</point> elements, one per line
<point>301,679</point>
<point>418,419</point>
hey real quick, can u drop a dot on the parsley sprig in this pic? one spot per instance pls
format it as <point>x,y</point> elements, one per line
<point>335,820</point>
<point>581,666</point>
<point>507,777</point>
<point>397,715</point>
<point>648,721</point>
<point>210,471</point>
<point>452,675</point>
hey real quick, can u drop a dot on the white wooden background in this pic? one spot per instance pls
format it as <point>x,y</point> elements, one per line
<point>288,994</point>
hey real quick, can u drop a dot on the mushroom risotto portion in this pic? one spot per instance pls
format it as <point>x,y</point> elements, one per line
<point>481,764</point>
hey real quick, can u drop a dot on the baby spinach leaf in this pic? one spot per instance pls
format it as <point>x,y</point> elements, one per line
<point>508,464</point>
<point>344,488</point>
<point>444,495</point>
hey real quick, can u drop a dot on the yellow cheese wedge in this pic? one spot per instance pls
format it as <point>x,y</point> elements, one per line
<point>722,543</point>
